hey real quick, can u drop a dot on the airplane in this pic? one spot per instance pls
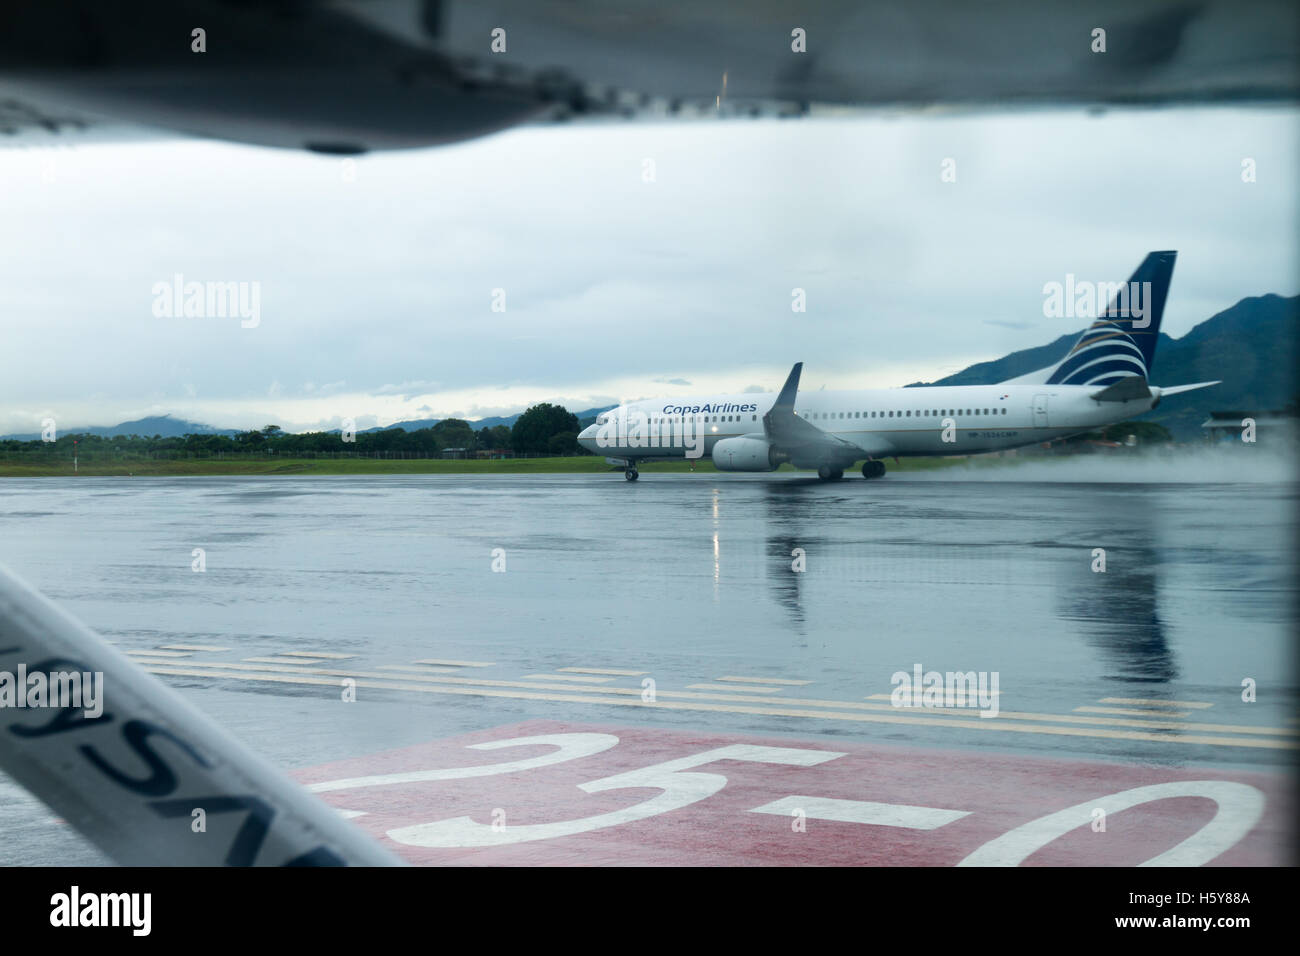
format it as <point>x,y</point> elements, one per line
<point>1101,380</point>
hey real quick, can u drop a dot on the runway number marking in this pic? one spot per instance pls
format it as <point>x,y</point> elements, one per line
<point>678,787</point>
<point>1239,807</point>
<point>864,811</point>
<point>568,747</point>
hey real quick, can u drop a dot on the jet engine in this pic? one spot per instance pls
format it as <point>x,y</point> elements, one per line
<point>746,454</point>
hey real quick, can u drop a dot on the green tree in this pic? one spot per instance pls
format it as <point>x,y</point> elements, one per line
<point>536,427</point>
<point>563,443</point>
<point>453,433</point>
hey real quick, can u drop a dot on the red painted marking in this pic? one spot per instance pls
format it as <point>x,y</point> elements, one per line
<point>1000,792</point>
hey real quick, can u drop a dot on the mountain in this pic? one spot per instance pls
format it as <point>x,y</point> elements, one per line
<point>163,425</point>
<point>169,427</point>
<point>1252,346</point>
<point>477,424</point>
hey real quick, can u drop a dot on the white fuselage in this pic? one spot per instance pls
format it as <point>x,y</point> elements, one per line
<point>882,422</point>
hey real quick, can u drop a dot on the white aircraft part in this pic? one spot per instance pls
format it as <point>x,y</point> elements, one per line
<point>131,778</point>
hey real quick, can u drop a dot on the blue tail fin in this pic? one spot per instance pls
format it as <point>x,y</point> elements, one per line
<point>1122,341</point>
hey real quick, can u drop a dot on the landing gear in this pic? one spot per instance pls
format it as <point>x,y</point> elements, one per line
<point>827,473</point>
<point>630,473</point>
<point>873,469</point>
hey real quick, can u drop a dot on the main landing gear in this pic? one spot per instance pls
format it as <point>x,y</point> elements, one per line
<point>827,473</point>
<point>873,469</point>
<point>630,472</point>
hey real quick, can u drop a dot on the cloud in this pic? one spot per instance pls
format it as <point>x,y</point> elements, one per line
<point>384,288</point>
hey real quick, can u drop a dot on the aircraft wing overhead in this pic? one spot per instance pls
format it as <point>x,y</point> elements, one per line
<point>347,76</point>
<point>788,432</point>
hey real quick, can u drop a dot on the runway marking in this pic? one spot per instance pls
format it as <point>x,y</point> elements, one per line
<point>1238,808</point>
<point>193,647</point>
<point>600,670</point>
<point>275,660</point>
<point>435,685</point>
<point>1132,713</point>
<point>749,688</point>
<point>434,660</point>
<point>1194,704</point>
<point>578,678</point>
<point>765,680</point>
<point>323,655</point>
<point>970,694</point>
<point>420,669</point>
<point>148,653</point>
<point>863,811</point>
<point>570,747</point>
<point>699,793</point>
<point>740,697</point>
<point>678,788</point>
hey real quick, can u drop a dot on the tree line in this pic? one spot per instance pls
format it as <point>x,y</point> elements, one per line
<point>543,429</point>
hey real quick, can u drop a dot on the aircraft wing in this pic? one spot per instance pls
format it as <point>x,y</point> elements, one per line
<point>348,76</point>
<point>803,440</point>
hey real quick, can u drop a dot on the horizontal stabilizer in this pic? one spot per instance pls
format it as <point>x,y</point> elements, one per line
<point>1175,389</point>
<point>1127,389</point>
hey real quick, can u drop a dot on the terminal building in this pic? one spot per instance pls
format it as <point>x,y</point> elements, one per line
<point>1231,425</point>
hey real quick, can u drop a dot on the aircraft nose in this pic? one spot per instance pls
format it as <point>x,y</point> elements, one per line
<point>587,438</point>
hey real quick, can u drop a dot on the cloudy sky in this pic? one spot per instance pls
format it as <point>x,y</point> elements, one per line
<point>635,260</point>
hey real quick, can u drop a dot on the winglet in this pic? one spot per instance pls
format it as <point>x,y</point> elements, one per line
<point>786,398</point>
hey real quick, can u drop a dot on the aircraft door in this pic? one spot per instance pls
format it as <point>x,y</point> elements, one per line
<point>1040,411</point>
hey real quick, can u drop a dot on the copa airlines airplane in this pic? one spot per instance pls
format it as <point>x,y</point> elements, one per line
<point>1103,379</point>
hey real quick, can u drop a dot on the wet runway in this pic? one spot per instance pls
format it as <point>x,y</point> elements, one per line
<point>695,607</point>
